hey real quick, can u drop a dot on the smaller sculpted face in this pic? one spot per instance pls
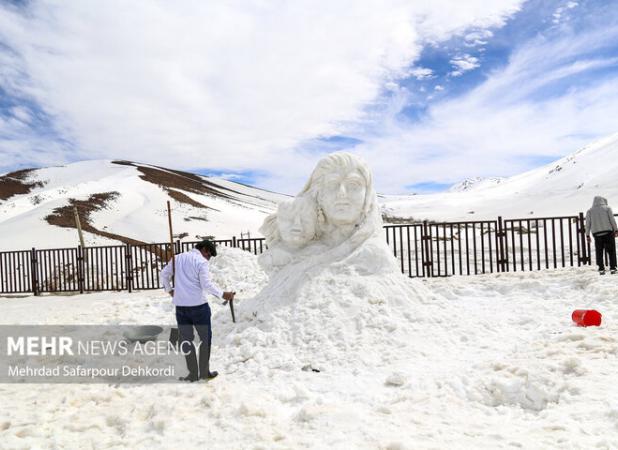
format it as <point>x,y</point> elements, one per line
<point>297,221</point>
<point>342,196</point>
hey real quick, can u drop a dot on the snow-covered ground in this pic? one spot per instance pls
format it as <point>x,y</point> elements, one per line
<point>489,361</point>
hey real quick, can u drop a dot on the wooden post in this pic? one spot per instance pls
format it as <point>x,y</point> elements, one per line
<point>79,227</point>
<point>174,332</point>
<point>172,246</point>
<point>80,233</point>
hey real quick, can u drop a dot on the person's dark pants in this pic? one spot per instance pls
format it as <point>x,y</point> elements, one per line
<point>605,242</point>
<point>187,318</point>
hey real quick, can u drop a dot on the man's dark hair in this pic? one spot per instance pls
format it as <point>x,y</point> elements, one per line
<point>209,246</point>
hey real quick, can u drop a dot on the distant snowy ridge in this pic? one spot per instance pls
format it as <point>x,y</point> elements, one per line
<point>563,187</point>
<point>475,183</point>
<point>36,205</point>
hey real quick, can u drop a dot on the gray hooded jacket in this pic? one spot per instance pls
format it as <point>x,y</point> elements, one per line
<point>600,217</point>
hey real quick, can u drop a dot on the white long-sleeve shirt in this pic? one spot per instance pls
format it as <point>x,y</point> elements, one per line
<point>192,280</point>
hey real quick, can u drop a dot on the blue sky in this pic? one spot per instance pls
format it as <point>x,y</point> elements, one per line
<point>538,19</point>
<point>429,95</point>
<point>437,75</point>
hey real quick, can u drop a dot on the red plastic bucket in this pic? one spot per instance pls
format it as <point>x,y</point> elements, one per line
<point>586,317</point>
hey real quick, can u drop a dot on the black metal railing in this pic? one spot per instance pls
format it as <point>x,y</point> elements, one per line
<point>426,249</point>
<point>430,249</point>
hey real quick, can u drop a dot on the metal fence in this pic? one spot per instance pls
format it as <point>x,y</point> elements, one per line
<point>488,246</point>
<point>90,269</point>
<point>422,250</point>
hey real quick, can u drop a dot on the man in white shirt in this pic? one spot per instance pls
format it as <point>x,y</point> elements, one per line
<point>191,286</point>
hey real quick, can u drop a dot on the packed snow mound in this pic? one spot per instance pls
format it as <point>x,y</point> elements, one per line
<point>237,270</point>
<point>516,386</point>
<point>335,321</point>
<point>337,317</point>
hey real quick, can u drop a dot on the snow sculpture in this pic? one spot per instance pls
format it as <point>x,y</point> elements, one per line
<point>334,223</point>
<point>335,294</point>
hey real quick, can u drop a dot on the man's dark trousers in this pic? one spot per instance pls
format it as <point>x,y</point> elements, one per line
<point>198,317</point>
<point>604,242</point>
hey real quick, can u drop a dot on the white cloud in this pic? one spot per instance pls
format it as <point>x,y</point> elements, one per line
<point>22,114</point>
<point>525,110</point>
<point>477,37</point>
<point>421,73</point>
<point>559,13</point>
<point>463,63</point>
<point>236,85</point>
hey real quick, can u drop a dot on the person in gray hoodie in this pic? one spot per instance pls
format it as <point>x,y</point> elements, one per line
<point>600,222</point>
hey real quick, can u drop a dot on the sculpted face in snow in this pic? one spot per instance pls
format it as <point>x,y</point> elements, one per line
<point>342,187</point>
<point>342,196</point>
<point>333,224</point>
<point>297,221</point>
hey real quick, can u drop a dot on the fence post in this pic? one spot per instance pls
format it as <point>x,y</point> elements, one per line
<point>177,247</point>
<point>80,269</point>
<point>426,238</point>
<point>500,236</point>
<point>234,241</point>
<point>33,272</point>
<point>581,230</point>
<point>128,267</point>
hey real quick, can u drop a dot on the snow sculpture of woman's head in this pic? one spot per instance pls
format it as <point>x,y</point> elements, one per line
<point>334,224</point>
<point>342,187</point>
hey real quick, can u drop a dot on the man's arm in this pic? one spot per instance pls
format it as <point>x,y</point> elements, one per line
<point>205,282</point>
<point>166,277</point>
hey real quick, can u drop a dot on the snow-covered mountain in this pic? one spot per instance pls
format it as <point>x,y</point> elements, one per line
<point>564,187</point>
<point>475,183</point>
<point>122,201</point>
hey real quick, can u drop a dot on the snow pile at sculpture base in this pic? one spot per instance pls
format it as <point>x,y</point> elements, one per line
<point>336,320</point>
<point>488,361</point>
